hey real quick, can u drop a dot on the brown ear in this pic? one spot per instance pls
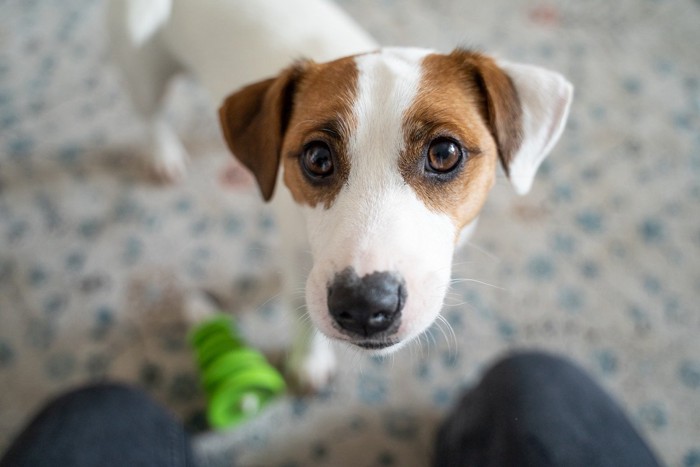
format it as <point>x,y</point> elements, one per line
<point>502,105</point>
<point>254,120</point>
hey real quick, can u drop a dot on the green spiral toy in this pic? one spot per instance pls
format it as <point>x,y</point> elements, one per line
<point>237,380</point>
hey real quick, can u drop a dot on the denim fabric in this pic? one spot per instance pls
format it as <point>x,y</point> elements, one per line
<point>534,409</point>
<point>104,425</point>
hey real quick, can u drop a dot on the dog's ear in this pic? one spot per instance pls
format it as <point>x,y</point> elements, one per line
<point>545,98</point>
<point>526,108</point>
<point>254,120</point>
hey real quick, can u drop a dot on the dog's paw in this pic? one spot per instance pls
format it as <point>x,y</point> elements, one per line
<point>169,166</point>
<point>168,156</point>
<point>311,371</point>
<point>171,172</point>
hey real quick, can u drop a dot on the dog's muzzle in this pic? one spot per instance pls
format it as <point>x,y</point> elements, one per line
<point>368,308</point>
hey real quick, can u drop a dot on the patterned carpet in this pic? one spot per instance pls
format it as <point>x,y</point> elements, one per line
<point>600,262</point>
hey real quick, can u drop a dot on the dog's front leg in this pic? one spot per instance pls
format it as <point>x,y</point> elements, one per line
<point>168,155</point>
<point>311,362</point>
<point>147,66</point>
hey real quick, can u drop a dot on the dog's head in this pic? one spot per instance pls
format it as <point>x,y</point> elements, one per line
<point>391,156</point>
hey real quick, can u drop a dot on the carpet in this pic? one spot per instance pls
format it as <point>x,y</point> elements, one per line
<point>600,262</point>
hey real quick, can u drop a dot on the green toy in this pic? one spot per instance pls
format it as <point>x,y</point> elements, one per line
<point>237,380</point>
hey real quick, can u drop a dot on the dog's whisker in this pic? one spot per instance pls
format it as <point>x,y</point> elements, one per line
<point>438,325</point>
<point>451,293</point>
<point>486,253</point>
<point>420,346</point>
<point>459,281</point>
<point>454,294</point>
<point>427,346</point>
<point>297,295</point>
<point>454,300</point>
<point>450,336</point>
<point>356,358</point>
<point>302,319</point>
<point>295,291</point>
<point>432,342</point>
<point>440,322</point>
<point>455,305</point>
<point>271,298</point>
<point>462,263</point>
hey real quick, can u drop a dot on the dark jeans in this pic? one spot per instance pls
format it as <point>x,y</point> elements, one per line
<point>530,409</point>
<point>535,409</point>
<point>105,425</point>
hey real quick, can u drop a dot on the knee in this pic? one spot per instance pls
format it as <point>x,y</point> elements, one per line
<point>531,371</point>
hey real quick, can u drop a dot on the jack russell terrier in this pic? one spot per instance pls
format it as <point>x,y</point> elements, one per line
<point>377,160</point>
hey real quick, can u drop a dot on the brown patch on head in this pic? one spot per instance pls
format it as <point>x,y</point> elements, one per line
<point>270,123</point>
<point>503,109</point>
<point>466,98</point>
<point>322,112</point>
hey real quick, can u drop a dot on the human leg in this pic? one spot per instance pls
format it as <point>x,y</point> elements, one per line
<point>103,425</point>
<point>535,409</point>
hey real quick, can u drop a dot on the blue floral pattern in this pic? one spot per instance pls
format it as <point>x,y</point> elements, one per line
<point>600,262</point>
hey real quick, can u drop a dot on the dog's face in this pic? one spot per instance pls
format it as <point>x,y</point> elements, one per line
<point>391,156</point>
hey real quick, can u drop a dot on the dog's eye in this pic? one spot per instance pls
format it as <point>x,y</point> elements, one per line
<point>443,156</point>
<point>317,160</point>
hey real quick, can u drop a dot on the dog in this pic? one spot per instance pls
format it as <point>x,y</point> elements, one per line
<point>376,160</point>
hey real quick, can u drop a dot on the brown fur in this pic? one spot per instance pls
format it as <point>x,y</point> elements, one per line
<point>503,110</point>
<point>322,111</point>
<point>457,99</point>
<point>268,123</point>
<point>254,120</point>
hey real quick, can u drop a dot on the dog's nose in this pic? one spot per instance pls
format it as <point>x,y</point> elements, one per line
<point>368,305</point>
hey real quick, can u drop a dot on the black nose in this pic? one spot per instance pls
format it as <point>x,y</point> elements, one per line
<point>368,305</point>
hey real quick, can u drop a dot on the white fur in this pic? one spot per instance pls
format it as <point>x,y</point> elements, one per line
<point>545,97</point>
<point>143,19</point>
